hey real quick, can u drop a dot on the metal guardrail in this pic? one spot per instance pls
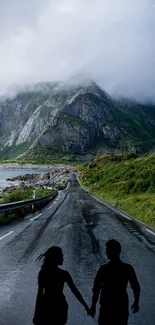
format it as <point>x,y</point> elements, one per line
<point>22,204</point>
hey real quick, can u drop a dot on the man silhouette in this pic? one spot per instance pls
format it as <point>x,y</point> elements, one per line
<point>111,283</point>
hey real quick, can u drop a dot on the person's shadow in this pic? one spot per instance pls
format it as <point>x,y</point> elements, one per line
<point>111,284</point>
<point>51,305</point>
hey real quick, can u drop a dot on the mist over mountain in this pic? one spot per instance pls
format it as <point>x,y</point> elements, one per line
<point>111,42</point>
<point>82,119</point>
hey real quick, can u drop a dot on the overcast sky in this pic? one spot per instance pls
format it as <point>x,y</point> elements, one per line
<point>109,41</point>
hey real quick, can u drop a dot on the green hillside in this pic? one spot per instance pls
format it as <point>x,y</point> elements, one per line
<point>126,181</point>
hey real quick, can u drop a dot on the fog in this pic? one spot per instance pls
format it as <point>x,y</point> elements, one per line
<point>109,41</point>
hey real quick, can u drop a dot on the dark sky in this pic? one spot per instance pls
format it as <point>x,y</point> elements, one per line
<point>110,41</point>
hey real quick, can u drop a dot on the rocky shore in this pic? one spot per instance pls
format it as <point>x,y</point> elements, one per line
<point>33,166</point>
<point>55,178</point>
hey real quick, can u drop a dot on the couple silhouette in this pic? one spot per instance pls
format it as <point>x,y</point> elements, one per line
<point>110,284</point>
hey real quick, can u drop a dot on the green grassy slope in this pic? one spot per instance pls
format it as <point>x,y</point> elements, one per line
<point>12,152</point>
<point>125,181</point>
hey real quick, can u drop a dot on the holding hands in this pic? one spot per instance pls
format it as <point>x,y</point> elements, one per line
<point>90,311</point>
<point>135,307</point>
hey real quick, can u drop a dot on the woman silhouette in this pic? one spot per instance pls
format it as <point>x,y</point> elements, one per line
<point>51,306</point>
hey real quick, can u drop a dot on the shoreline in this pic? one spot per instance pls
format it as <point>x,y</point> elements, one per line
<point>31,166</point>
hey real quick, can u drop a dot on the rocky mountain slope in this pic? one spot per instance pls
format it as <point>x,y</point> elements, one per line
<point>57,118</point>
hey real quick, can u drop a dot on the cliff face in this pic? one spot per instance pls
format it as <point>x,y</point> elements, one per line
<point>73,120</point>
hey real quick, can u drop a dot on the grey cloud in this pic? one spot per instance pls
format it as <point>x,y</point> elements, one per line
<point>17,13</point>
<point>109,41</point>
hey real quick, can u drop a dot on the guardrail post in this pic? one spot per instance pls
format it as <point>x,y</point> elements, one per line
<point>22,213</point>
<point>33,197</point>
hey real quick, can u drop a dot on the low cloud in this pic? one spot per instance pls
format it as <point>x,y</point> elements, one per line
<point>111,42</point>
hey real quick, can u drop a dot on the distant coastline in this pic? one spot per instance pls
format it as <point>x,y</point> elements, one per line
<point>30,166</point>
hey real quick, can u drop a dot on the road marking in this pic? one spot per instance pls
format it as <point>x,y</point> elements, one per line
<point>8,233</point>
<point>151,232</point>
<point>118,212</point>
<point>49,208</point>
<point>108,206</point>
<point>36,217</point>
<point>123,215</point>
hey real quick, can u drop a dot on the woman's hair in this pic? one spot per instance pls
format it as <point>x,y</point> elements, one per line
<point>52,257</point>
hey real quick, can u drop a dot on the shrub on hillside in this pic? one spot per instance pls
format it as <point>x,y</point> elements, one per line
<point>128,155</point>
<point>17,195</point>
<point>27,194</point>
<point>129,185</point>
<point>6,218</point>
<point>43,192</point>
<point>141,186</point>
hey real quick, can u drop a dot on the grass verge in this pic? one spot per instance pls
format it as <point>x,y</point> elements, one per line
<point>125,181</point>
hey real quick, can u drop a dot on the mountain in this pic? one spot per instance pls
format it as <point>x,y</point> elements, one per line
<point>57,118</point>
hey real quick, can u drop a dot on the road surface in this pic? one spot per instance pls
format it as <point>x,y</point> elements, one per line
<point>81,226</point>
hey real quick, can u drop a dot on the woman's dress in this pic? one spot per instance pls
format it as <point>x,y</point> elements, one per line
<point>51,306</point>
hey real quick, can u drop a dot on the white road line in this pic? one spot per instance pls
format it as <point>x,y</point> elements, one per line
<point>118,212</point>
<point>109,206</point>
<point>151,232</point>
<point>9,233</point>
<point>123,215</point>
<point>36,217</point>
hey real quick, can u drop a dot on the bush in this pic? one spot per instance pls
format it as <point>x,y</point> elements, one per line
<point>43,192</point>
<point>141,186</point>
<point>6,218</point>
<point>19,195</point>
<point>129,185</point>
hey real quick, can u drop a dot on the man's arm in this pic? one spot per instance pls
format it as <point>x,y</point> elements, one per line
<point>136,289</point>
<point>96,291</point>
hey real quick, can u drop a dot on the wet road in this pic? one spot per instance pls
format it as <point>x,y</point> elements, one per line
<point>81,226</point>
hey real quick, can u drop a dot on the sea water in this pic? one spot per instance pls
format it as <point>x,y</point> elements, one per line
<point>9,173</point>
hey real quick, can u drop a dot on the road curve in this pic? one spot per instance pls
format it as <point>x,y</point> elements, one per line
<point>81,226</point>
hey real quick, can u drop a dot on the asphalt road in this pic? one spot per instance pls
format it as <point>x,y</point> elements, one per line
<point>81,226</point>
